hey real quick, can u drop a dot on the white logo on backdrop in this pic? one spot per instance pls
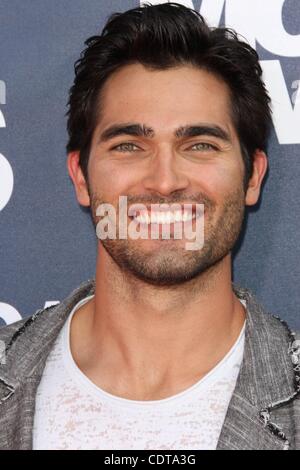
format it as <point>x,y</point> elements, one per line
<point>266,29</point>
<point>6,181</point>
<point>8,313</point>
<point>2,101</point>
<point>6,173</point>
<point>296,94</point>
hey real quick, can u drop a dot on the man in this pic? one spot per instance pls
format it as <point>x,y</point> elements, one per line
<point>161,350</point>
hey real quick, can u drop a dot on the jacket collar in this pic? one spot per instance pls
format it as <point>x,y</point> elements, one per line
<point>28,347</point>
<point>265,383</point>
<point>267,375</point>
<point>266,379</point>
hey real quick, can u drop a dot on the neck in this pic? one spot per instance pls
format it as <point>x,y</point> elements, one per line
<point>176,334</point>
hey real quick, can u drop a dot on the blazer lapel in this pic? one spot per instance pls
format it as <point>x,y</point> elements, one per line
<point>243,430</point>
<point>265,383</point>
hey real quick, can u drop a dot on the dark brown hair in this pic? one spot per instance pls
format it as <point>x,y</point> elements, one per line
<point>163,36</point>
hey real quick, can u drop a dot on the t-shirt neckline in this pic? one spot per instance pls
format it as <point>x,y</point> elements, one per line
<point>90,387</point>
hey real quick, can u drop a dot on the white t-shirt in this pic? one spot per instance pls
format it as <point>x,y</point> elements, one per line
<point>73,413</point>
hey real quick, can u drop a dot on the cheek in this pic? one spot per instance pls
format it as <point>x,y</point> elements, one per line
<point>219,180</point>
<point>110,180</point>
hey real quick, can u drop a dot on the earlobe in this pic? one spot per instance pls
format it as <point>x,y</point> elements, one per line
<point>77,176</point>
<point>260,165</point>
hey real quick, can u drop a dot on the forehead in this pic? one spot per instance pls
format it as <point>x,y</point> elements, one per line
<point>164,98</point>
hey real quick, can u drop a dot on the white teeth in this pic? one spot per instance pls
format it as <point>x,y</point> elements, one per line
<point>178,216</point>
<point>169,218</point>
<point>164,217</point>
<point>186,217</point>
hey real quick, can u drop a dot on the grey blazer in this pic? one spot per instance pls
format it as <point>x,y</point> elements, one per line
<point>264,411</point>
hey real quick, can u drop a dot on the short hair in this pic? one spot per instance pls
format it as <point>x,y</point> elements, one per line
<point>161,37</point>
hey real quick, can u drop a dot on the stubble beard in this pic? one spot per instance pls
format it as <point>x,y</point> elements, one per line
<point>172,265</point>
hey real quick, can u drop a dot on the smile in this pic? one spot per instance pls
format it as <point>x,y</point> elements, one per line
<point>165,216</point>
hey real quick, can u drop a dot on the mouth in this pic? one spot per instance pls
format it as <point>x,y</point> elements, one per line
<point>164,216</point>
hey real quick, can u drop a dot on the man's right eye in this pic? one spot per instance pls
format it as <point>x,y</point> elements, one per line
<point>124,147</point>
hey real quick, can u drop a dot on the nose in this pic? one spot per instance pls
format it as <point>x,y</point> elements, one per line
<point>163,174</point>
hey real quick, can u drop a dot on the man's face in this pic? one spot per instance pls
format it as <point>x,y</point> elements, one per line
<point>161,168</point>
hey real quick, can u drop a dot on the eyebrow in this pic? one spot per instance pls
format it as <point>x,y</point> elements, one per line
<point>141,130</point>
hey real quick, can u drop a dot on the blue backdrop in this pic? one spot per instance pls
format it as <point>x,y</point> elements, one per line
<point>47,242</point>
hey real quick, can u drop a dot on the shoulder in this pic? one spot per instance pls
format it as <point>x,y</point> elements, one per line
<point>36,332</point>
<point>9,333</point>
<point>266,322</point>
<point>51,313</point>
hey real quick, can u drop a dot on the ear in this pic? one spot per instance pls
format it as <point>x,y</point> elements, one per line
<point>260,165</point>
<point>78,178</point>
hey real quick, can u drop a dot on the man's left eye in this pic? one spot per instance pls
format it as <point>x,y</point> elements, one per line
<point>205,146</point>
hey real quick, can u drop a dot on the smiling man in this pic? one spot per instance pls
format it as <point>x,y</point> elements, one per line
<point>161,350</point>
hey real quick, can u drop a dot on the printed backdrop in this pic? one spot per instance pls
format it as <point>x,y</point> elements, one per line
<point>47,242</point>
